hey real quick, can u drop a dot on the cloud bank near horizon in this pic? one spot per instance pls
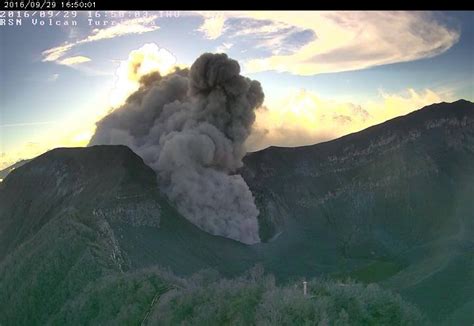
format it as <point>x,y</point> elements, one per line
<point>302,117</point>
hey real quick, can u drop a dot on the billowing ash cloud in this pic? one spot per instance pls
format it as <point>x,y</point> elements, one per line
<point>190,127</point>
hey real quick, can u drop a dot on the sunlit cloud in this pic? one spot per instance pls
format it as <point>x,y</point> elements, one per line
<point>224,47</point>
<point>273,36</point>
<point>302,117</point>
<point>83,137</point>
<point>55,53</point>
<point>149,58</point>
<point>213,25</point>
<point>126,27</point>
<point>24,151</point>
<point>74,60</point>
<point>58,134</point>
<point>342,41</point>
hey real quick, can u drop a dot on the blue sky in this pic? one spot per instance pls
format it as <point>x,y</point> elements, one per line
<point>311,65</point>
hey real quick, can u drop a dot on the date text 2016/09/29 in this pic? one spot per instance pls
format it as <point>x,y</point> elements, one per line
<point>48,4</point>
<point>38,18</point>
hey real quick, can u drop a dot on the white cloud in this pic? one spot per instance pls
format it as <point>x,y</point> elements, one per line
<point>343,41</point>
<point>149,58</point>
<point>224,47</point>
<point>302,117</point>
<point>70,61</point>
<point>55,53</point>
<point>126,27</point>
<point>213,25</point>
<point>267,34</point>
<point>53,78</point>
<point>83,137</point>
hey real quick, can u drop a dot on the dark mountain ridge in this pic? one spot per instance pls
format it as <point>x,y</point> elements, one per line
<point>397,196</point>
<point>66,179</point>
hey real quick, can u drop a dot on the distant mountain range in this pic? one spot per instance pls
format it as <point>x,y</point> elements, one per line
<point>5,171</point>
<point>392,204</point>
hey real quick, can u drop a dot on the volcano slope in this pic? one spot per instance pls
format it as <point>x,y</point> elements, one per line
<point>391,204</point>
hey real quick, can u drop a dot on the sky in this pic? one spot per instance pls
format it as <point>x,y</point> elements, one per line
<point>324,74</point>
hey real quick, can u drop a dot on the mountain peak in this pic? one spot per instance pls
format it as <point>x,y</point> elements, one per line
<point>459,104</point>
<point>84,162</point>
<point>72,180</point>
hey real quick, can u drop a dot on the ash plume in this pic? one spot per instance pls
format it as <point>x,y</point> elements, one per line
<point>190,127</point>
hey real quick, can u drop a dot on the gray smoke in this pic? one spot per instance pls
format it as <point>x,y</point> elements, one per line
<point>190,127</point>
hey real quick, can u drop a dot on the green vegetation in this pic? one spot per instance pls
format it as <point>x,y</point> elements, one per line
<point>377,271</point>
<point>255,299</point>
<point>122,299</point>
<point>158,297</point>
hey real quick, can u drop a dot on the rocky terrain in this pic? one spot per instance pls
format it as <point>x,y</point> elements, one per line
<point>392,204</point>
